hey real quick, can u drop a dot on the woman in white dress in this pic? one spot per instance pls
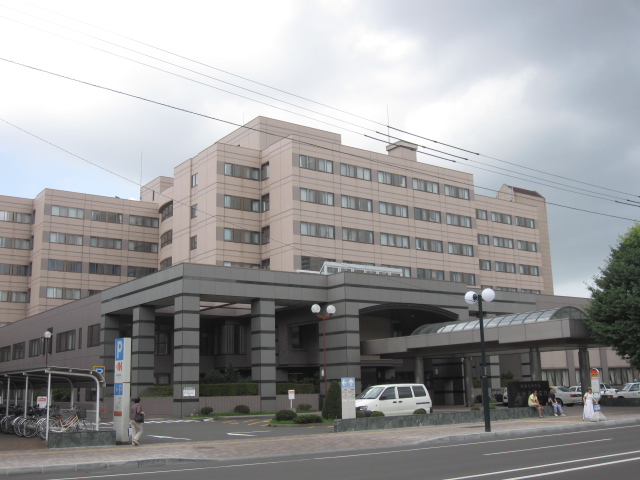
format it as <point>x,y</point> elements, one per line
<point>587,399</point>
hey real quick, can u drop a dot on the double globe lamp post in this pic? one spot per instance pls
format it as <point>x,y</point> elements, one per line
<point>330,311</point>
<point>488,295</point>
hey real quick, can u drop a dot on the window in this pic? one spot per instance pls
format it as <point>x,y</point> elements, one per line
<point>22,243</point>
<point>65,238</point>
<point>241,265</point>
<point>537,292</point>
<point>406,271</point>
<point>6,242</point>
<point>194,210</point>
<point>426,215</point>
<point>229,340</point>
<point>481,214</point>
<point>352,171</point>
<point>103,242</point>
<point>64,266</point>
<point>137,272</point>
<point>162,343</point>
<point>15,297</point>
<point>506,289</point>
<point>70,212</point>
<point>104,269</point>
<point>525,222</point>
<point>314,264</point>
<point>426,186</point>
<point>264,171</point>
<point>316,196</point>
<point>166,238</point>
<point>485,265</point>
<point>6,216</point>
<point>93,335</point>
<point>18,351</point>
<point>297,337</point>
<point>166,263</point>
<point>428,245</point>
<point>16,217</point>
<point>392,179</point>
<point>393,209</point>
<point>393,240</point>
<point>193,242</point>
<point>456,192</point>
<point>139,221</point>
<point>356,235</point>
<point>468,278</point>
<point>194,180</point>
<point>265,264</point>
<point>458,220</point>
<point>528,246</point>
<point>66,341</point>
<point>483,239</point>
<point>265,235</point>
<point>241,236</point>
<point>502,242</point>
<point>166,211</point>
<point>240,171</point>
<point>529,270</point>
<point>317,230</point>
<point>318,164</point>
<point>35,347</point>
<point>5,354</point>
<point>430,274</point>
<point>501,218</point>
<point>108,217</point>
<point>356,203</point>
<point>15,270</point>
<point>265,202</point>
<point>138,246</point>
<point>460,249</point>
<point>241,203</point>
<point>505,267</point>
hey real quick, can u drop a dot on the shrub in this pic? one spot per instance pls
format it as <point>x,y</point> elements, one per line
<point>377,414</point>
<point>242,409</point>
<point>420,411</point>
<point>332,407</point>
<point>304,406</point>
<point>228,389</point>
<point>360,414</point>
<point>206,410</point>
<point>308,419</point>
<point>285,415</point>
<point>158,391</point>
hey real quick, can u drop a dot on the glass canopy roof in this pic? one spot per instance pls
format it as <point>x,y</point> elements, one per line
<point>503,321</point>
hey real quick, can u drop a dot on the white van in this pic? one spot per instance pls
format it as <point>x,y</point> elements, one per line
<point>399,399</point>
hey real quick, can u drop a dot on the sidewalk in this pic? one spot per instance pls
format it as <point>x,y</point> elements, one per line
<point>124,456</point>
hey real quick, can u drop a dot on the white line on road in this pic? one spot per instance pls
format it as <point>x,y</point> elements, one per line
<point>247,434</point>
<point>548,446</point>
<point>172,438</point>
<point>575,469</point>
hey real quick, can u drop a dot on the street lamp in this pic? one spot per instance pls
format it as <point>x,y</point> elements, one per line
<point>47,339</point>
<point>488,295</point>
<point>315,308</point>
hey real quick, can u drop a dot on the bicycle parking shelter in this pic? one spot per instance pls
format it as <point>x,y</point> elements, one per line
<point>53,377</point>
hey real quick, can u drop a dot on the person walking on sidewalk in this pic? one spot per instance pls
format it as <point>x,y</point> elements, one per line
<point>587,413</point>
<point>136,421</point>
<point>535,403</point>
<point>553,403</point>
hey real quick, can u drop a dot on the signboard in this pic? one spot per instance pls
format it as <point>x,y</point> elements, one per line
<point>188,391</point>
<point>518,392</point>
<point>100,369</point>
<point>348,392</point>
<point>42,402</point>
<point>292,394</point>
<point>595,383</point>
<point>122,389</point>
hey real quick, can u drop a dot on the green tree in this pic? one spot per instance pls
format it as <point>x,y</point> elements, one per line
<point>613,315</point>
<point>332,406</point>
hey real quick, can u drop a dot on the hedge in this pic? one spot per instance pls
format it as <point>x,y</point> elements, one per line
<point>228,389</point>
<point>158,391</point>
<point>300,388</point>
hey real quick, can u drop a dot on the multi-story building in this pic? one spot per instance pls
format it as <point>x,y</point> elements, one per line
<point>275,195</point>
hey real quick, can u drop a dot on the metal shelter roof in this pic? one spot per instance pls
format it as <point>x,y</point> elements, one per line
<point>59,376</point>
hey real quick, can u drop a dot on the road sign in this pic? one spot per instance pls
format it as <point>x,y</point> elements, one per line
<point>348,391</point>
<point>100,369</point>
<point>348,382</point>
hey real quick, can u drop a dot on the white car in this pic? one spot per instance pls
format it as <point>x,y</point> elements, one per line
<point>630,390</point>
<point>567,396</point>
<point>605,390</point>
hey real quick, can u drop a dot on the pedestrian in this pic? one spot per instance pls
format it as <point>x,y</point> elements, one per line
<point>136,421</point>
<point>555,404</point>
<point>587,399</point>
<point>535,403</point>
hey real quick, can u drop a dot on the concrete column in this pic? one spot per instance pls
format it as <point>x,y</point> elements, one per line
<point>468,381</point>
<point>419,372</point>
<point>263,351</point>
<point>536,365</point>
<point>343,343</point>
<point>584,365</point>
<point>186,355</point>
<point>142,350</point>
<point>109,331</point>
<point>525,359</point>
<point>493,371</point>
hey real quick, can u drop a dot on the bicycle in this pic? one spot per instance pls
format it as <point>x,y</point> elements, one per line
<point>60,424</point>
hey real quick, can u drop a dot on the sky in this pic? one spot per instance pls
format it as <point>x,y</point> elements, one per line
<point>540,95</point>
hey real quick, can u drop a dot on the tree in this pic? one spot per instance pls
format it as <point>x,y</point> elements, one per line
<point>332,406</point>
<point>613,315</point>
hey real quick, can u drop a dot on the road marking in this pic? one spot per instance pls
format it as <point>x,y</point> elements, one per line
<point>247,434</point>
<point>172,438</point>
<point>548,446</point>
<point>575,469</point>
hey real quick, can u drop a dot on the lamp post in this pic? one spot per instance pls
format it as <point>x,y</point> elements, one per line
<point>47,339</point>
<point>315,308</point>
<point>488,295</point>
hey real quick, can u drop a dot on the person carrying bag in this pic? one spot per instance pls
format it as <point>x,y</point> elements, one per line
<point>136,422</point>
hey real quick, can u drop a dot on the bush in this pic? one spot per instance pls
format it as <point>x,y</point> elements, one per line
<point>228,389</point>
<point>360,414</point>
<point>305,407</point>
<point>332,407</point>
<point>285,415</point>
<point>206,410</point>
<point>242,409</point>
<point>377,414</point>
<point>420,411</point>
<point>308,419</point>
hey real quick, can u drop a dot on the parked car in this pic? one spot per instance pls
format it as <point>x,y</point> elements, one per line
<point>630,390</point>
<point>402,399</point>
<point>605,390</point>
<point>567,396</point>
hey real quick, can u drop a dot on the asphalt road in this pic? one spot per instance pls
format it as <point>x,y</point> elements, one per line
<point>605,452</point>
